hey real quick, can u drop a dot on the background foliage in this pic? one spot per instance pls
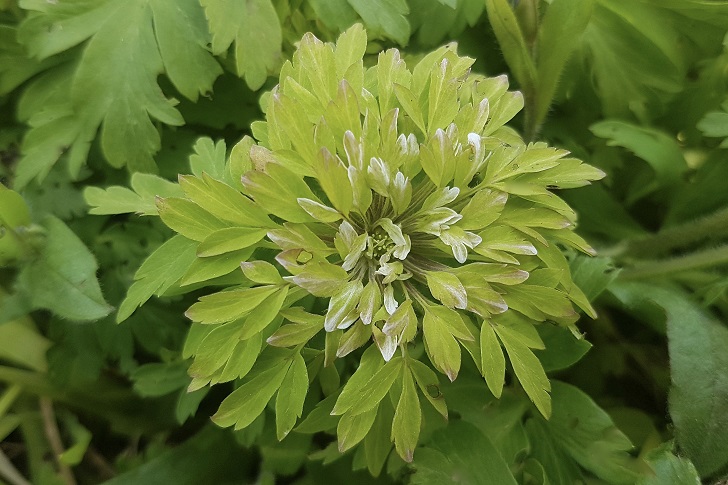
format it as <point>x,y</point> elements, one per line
<point>96,95</point>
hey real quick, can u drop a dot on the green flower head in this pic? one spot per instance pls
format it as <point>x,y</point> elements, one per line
<point>383,207</point>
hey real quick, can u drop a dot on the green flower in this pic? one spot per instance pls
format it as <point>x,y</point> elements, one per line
<point>386,208</point>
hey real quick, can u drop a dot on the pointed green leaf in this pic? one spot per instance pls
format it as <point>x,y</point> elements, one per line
<point>226,306</point>
<point>165,266</point>
<point>529,371</point>
<point>246,402</point>
<point>493,361</point>
<point>407,419</point>
<point>441,346</point>
<point>447,288</point>
<point>63,277</point>
<point>256,30</point>
<point>289,402</point>
<point>353,428</point>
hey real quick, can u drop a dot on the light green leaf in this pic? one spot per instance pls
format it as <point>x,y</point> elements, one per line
<point>441,346</point>
<point>188,219</point>
<point>205,269</point>
<point>319,211</point>
<point>263,314</point>
<point>223,201</point>
<point>208,157</point>
<point>335,14</point>
<point>121,200</point>
<point>493,361</point>
<point>228,240</point>
<point>410,104</point>
<point>63,277</point>
<point>483,209</point>
<point>529,371</point>
<point>301,331</point>
<point>226,306</point>
<point>429,385</point>
<point>289,402</point>
<point>164,267</point>
<point>407,418</point>
<point>378,442</point>
<point>370,395</point>
<point>261,272</point>
<point>367,376</point>
<point>385,17</point>
<point>352,428</point>
<point>447,288</point>
<point>246,402</point>
<point>256,30</point>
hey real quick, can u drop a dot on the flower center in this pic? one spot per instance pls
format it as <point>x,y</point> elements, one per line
<point>381,243</point>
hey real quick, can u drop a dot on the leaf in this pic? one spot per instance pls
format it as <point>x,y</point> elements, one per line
<point>630,80</point>
<point>352,428</point>
<point>698,399</point>
<point>63,277</point>
<point>588,434</point>
<point>668,468</point>
<point>447,288</point>
<point>289,402</point>
<point>246,402</point>
<point>208,268</point>
<point>228,240</point>
<point>256,30</point>
<point>261,272</point>
<point>223,201</point>
<point>226,306</point>
<point>366,397</point>
<point>188,219</point>
<point>158,39</point>
<point>407,418</point>
<point>140,200</point>
<point>159,378</point>
<point>511,41</point>
<point>558,34</point>
<point>562,350</point>
<point>493,361</point>
<point>441,346</point>
<point>528,369</point>
<point>164,267</point>
<point>387,17</point>
<point>460,454</point>
<point>658,149</point>
<point>429,385</point>
<point>378,442</point>
<point>208,158</point>
<point>262,315</point>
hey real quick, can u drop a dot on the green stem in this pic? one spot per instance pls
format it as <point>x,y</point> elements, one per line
<point>10,473</point>
<point>666,267</point>
<point>712,225</point>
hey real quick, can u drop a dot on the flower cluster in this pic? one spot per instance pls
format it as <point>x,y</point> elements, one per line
<point>383,205</point>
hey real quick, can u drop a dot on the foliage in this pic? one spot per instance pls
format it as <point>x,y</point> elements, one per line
<point>340,202</point>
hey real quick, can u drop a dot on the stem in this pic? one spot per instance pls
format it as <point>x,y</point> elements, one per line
<point>50,426</point>
<point>682,235</point>
<point>657,268</point>
<point>9,472</point>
